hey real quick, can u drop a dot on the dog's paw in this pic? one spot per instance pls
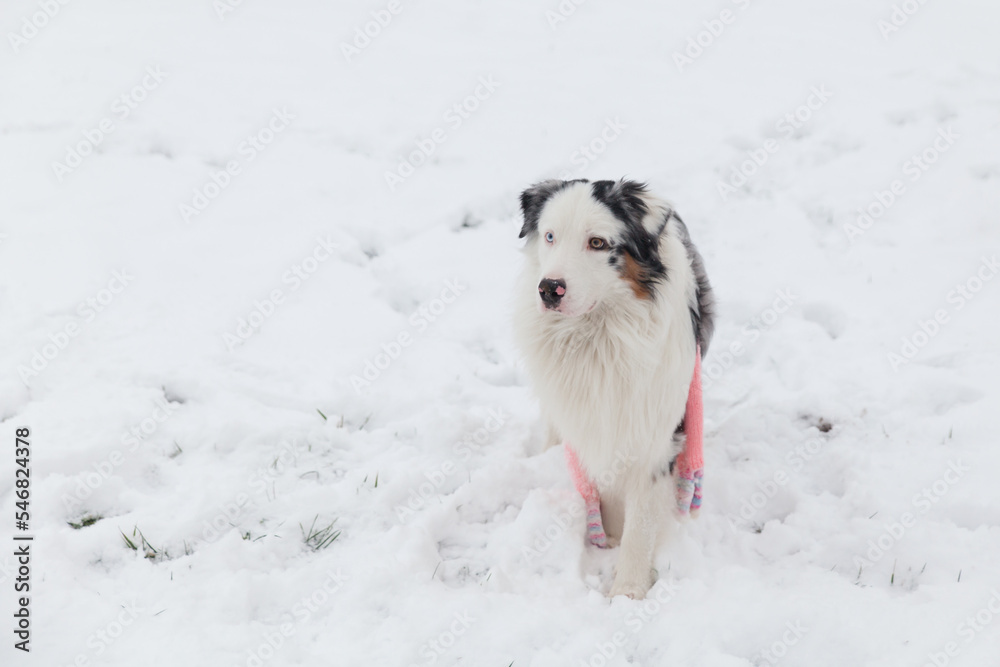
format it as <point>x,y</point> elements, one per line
<point>629,589</point>
<point>611,542</point>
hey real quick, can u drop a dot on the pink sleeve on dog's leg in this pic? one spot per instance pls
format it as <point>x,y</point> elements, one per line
<point>580,481</point>
<point>691,462</point>
<point>694,421</point>
<point>591,498</point>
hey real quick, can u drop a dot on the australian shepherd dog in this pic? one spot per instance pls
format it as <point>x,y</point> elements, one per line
<point>610,312</point>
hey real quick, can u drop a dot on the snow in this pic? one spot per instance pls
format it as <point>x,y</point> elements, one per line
<point>874,542</point>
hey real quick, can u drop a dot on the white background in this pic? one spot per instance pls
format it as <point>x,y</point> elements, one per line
<point>243,425</point>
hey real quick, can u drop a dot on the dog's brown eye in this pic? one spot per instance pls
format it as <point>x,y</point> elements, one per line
<point>598,243</point>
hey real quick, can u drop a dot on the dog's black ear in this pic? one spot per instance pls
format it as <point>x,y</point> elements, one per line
<point>624,198</point>
<point>533,201</point>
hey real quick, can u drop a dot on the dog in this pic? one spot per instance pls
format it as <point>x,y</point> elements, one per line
<point>610,310</point>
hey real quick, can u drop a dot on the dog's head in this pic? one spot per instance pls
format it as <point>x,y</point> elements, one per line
<point>591,242</point>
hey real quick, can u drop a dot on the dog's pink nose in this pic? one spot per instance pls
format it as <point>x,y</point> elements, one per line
<point>551,291</point>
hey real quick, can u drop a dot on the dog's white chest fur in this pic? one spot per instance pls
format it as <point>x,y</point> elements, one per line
<point>614,382</point>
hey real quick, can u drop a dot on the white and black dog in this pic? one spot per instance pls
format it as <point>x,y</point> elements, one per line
<point>609,311</point>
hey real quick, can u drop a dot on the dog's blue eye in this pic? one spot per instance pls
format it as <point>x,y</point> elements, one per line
<point>550,237</point>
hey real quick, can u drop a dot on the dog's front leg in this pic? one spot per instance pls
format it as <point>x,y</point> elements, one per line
<point>635,560</point>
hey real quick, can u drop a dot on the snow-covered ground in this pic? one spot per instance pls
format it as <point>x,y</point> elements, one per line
<point>239,301</point>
